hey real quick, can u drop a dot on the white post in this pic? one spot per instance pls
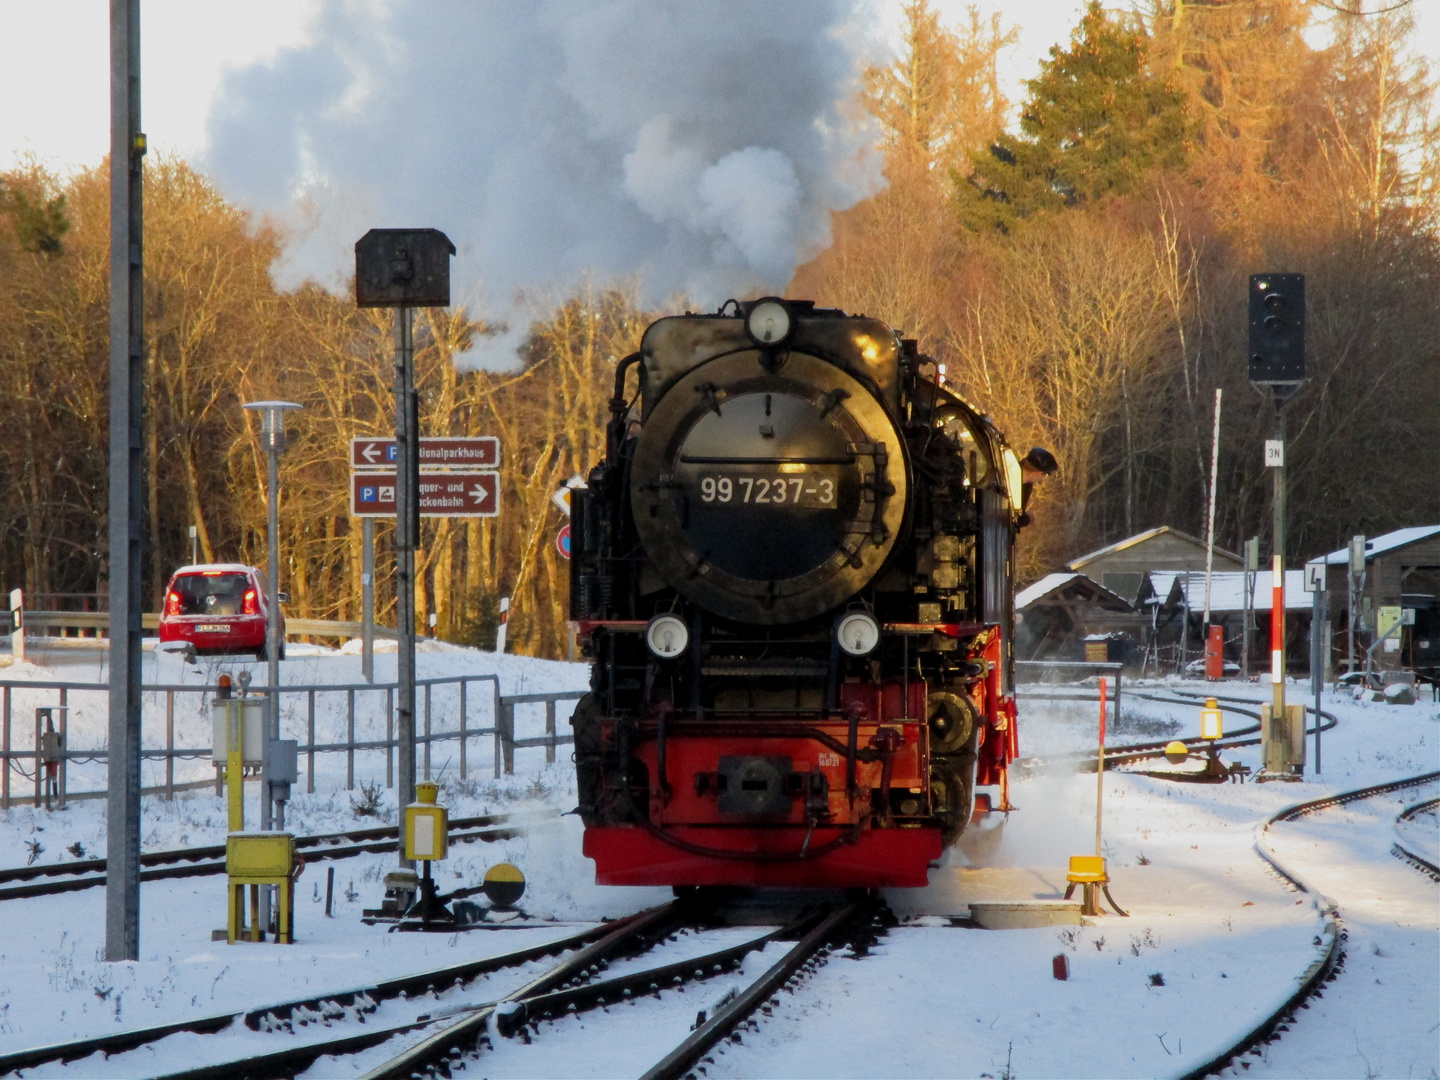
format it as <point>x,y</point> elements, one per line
<point>504,624</point>
<point>1210,519</point>
<point>17,623</point>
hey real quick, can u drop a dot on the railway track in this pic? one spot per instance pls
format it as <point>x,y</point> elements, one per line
<point>354,1004</point>
<point>1404,853</point>
<point>1130,753</point>
<point>460,1031</point>
<point>443,1052</point>
<point>200,861</point>
<point>1327,966</point>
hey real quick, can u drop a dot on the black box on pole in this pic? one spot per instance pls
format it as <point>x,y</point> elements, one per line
<point>1277,328</point>
<point>403,268</point>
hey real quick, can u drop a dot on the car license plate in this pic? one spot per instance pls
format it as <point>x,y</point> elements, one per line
<point>213,628</point>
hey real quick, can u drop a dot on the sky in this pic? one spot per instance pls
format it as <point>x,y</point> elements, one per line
<point>591,139</point>
<point>57,98</point>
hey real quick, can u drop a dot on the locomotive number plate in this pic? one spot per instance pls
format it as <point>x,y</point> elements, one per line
<point>807,490</point>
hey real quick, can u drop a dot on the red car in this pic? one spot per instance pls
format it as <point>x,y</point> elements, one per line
<point>219,608</point>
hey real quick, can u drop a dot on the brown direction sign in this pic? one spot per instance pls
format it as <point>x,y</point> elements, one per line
<point>450,494</point>
<point>468,452</point>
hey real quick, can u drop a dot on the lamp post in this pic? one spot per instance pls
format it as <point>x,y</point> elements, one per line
<point>272,437</point>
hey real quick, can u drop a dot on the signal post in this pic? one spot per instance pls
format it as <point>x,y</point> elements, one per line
<point>1277,361</point>
<point>404,269</point>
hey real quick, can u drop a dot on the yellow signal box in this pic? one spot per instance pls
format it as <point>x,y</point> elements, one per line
<point>259,859</point>
<point>426,825</point>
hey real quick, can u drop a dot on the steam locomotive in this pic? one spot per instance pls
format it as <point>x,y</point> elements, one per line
<point>793,571</point>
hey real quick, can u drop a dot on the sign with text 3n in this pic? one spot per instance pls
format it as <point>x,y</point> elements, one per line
<point>1274,454</point>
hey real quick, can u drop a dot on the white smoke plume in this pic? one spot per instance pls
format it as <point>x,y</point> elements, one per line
<point>696,145</point>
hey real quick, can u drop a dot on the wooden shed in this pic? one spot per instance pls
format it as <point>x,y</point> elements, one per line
<point>1402,572</point>
<point>1121,567</point>
<point>1056,614</point>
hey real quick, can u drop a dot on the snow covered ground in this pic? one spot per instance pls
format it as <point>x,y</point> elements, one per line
<point>1214,939</point>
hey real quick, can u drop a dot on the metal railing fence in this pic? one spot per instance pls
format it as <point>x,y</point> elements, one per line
<point>438,723</point>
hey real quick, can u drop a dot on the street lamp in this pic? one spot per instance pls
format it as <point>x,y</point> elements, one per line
<point>272,437</point>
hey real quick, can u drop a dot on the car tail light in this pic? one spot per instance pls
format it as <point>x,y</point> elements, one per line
<point>172,603</point>
<point>252,603</point>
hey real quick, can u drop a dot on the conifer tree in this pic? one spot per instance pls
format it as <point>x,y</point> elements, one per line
<point>1097,121</point>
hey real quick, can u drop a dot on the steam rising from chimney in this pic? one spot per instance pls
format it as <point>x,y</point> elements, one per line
<point>700,146</point>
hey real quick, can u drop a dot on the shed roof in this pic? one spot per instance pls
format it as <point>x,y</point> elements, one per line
<point>1140,538</point>
<point>1380,544</point>
<point>1070,586</point>
<point>1227,591</point>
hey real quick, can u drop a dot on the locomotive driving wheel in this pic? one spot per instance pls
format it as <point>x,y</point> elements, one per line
<point>769,493</point>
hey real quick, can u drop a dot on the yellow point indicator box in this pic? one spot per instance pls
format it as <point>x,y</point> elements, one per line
<point>426,825</point>
<point>1212,720</point>
<point>254,855</point>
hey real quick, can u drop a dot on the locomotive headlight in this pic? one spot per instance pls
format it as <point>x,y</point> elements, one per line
<point>769,322</point>
<point>667,636</point>
<point>858,633</point>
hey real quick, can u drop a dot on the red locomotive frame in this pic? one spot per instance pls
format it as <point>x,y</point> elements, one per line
<point>849,852</point>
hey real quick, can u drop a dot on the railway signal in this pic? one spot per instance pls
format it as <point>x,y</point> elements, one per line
<point>1277,329</point>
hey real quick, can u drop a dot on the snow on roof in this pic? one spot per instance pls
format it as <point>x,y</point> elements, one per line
<point>1052,583</point>
<point>1028,595</point>
<point>1140,538</point>
<point>1379,544</point>
<point>1227,591</point>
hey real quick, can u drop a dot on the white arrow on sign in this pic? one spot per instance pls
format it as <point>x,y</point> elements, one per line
<point>482,495</point>
<point>370,453</point>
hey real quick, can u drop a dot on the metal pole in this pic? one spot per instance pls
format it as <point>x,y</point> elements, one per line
<point>367,595</point>
<point>1277,585</point>
<point>1252,563</point>
<point>272,631</point>
<point>1355,582</point>
<point>310,747</point>
<point>1184,623</point>
<point>1100,767</point>
<point>407,534</point>
<point>1210,516</point>
<point>127,386</point>
<point>1319,650</point>
<point>5,749</point>
<point>169,744</point>
<point>64,745</point>
<point>462,729</point>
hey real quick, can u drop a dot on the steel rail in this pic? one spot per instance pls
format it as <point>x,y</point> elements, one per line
<point>322,1007</point>
<point>1405,854</point>
<point>193,854</point>
<point>723,1023</point>
<point>1324,968</point>
<point>436,1052</point>
<point>1132,752</point>
<point>206,866</point>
